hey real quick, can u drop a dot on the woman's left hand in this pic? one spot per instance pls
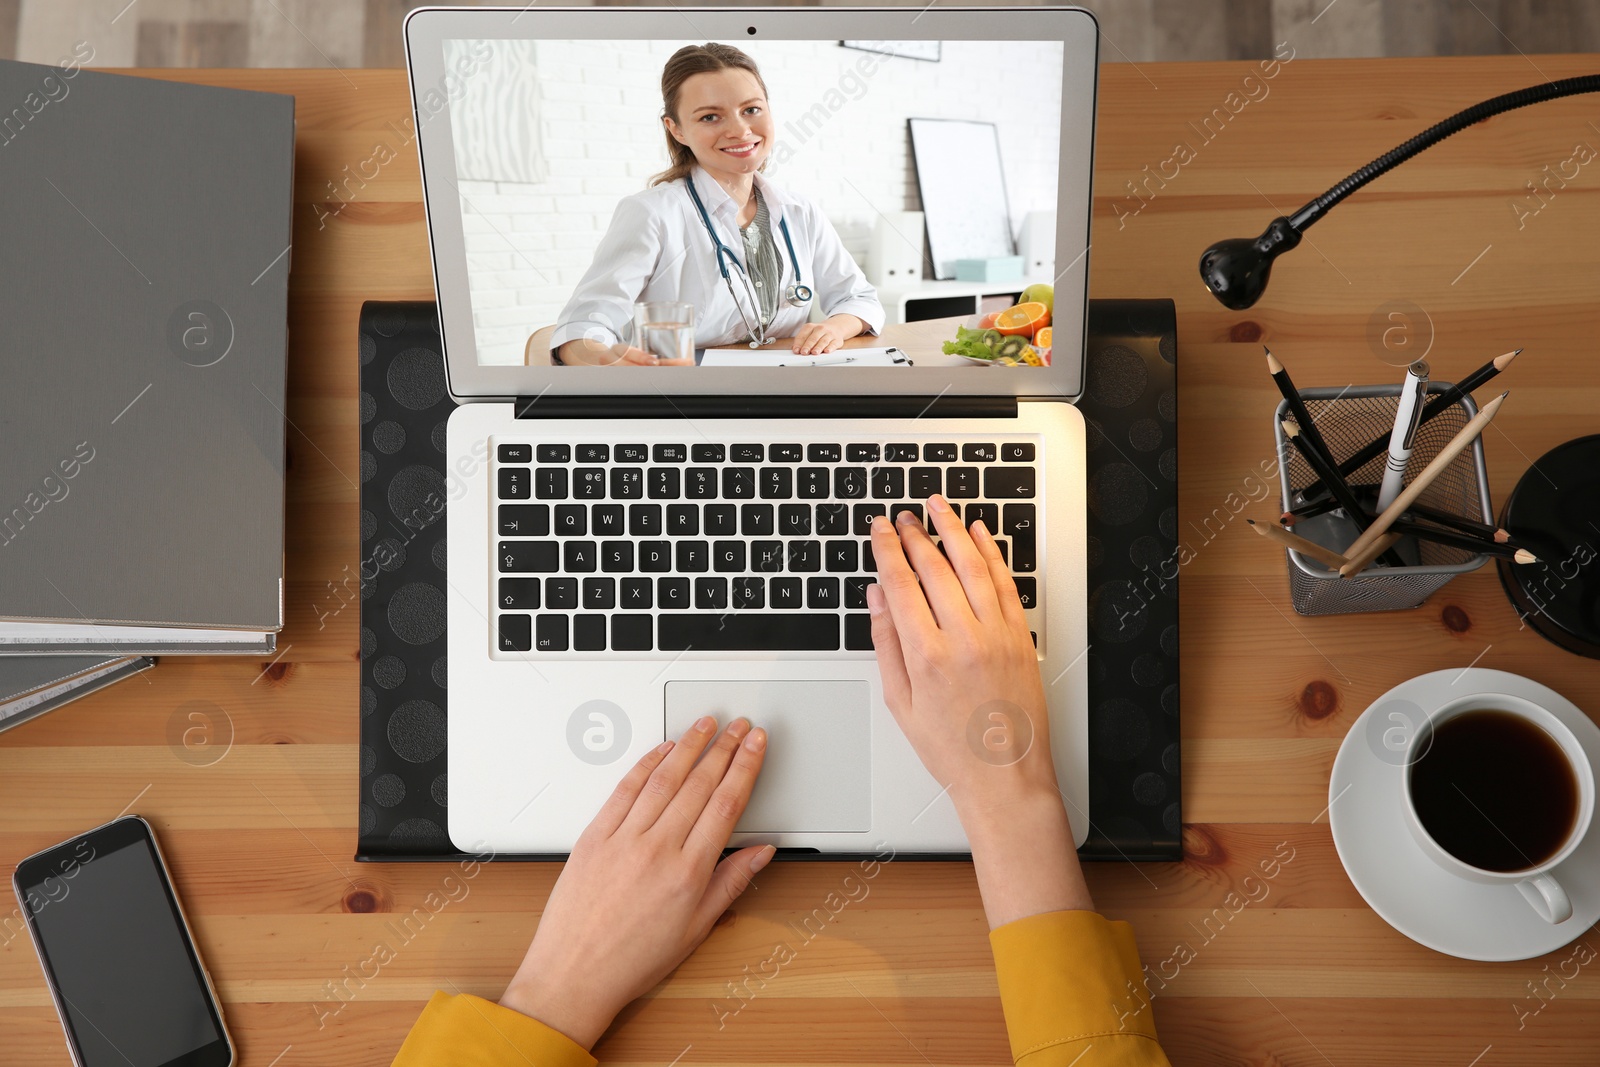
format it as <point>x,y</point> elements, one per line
<point>643,886</point>
<point>815,338</point>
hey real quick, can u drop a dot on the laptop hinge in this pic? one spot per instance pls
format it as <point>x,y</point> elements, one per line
<point>659,406</point>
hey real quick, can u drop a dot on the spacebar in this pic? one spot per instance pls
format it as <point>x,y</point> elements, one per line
<point>739,632</point>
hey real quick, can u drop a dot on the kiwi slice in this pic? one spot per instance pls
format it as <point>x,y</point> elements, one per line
<point>992,337</point>
<point>1011,347</point>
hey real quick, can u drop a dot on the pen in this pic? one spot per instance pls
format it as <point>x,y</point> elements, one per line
<point>1407,417</point>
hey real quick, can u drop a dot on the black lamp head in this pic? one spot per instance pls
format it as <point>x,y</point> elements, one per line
<point>1236,270</point>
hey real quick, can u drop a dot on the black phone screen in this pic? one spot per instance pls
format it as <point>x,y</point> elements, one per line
<point>129,985</point>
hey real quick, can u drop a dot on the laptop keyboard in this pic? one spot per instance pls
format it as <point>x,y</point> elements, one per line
<point>729,547</point>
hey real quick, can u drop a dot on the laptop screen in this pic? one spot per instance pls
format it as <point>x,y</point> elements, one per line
<point>656,205</point>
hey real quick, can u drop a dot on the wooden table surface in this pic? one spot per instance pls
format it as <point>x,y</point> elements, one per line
<point>261,838</point>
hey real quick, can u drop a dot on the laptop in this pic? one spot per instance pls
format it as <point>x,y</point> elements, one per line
<point>652,514</point>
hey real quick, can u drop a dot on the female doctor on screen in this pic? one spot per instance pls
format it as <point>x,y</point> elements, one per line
<point>713,231</point>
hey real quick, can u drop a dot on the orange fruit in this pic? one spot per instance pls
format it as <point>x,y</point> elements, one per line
<point>1042,338</point>
<point>1022,319</point>
<point>987,322</point>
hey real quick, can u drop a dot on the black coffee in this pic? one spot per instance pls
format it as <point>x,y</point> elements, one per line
<point>1495,791</point>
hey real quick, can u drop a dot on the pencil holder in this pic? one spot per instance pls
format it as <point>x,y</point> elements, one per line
<point>1347,419</point>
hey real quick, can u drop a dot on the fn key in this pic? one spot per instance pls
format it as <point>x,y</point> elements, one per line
<point>516,633</point>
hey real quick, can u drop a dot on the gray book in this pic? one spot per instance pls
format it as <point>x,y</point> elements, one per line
<point>143,313</point>
<point>33,685</point>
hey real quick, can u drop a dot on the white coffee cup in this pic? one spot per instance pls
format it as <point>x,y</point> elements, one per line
<point>1536,883</point>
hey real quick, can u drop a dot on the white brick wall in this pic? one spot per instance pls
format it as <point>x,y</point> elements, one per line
<point>529,243</point>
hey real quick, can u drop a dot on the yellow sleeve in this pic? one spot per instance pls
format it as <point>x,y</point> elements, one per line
<point>468,1031</point>
<point>1073,992</point>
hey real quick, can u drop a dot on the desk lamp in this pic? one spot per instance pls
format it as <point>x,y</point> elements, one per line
<point>1558,597</point>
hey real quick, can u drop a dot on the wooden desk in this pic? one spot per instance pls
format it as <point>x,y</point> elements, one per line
<point>261,839</point>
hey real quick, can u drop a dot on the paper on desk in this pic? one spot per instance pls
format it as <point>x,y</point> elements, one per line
<point>844,357</point>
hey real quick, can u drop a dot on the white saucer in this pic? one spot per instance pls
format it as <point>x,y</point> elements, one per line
<point>1417,897</point>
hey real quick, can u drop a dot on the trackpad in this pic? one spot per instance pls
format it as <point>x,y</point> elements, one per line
<point>818,773</point>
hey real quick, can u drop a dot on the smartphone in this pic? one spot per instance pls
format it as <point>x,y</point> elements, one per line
<point>117,952</point>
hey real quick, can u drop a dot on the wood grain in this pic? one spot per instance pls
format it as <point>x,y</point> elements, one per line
<point>261,839</point>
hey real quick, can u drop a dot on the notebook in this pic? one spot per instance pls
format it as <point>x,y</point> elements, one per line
<point>33,685</point>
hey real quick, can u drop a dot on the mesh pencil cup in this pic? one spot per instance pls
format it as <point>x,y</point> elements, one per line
<point>1347,419</point>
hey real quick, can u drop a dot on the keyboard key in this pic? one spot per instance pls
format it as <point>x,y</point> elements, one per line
<point>794,520</point>
<point>863,518</point>
<point>738,483</point>
<point>833,519</point>
<point>842,556</point>
<point>900,453</point>
<point>747,453</point>
<point>580,557</point>
<point>1007,483</point>
<point>519,594</point>
<point>822,592</point>
<point>594,453</point>
<point>554,453</point>
<point>524,520</point>
<point>694,557</point>
<point>516,633</point>
<point>861,453</point>
<point>707,453</point>
<point>560,593</point>
<point>989,513</point>
<point>805,556</point>
<point>672,592</point>
<point>888,483</point>
<point>616,557</point>
<point>786,592</point>
<point>632,454</point>
<point>721,520</point>
<point>537,557</point>
<point>1027,591</point>
<point>589,483</point>
<point>728,557</point>
<point>711,594</point>
<point>514,483</point>
<point>766,556</point>
<point>632,633</point>
<point>516,453</point>
<point>849,483</point>
<point>961,483</point>
<point>550,483</point>
<point>855,592</point>
<point>925,482</point>
<point>777,483</point>
<point>664,483</point>
<point>637,594</point>
<point>589,633</point>
<point>683,520</point>
<point>607,520</point>
<point>1020,524</point>
<point>755,520</point>
<point>858,633</point>
<point>747,633</point>
<point>600,593</point>
<point>655,556</point>
<point>977,453</point>
<point>943,453</point>
<point>668,454</point>
<point>572,520</point>
<point>822,453</point>
<point>785,454</point>
<point>914,508</point>
<point>700,483</point>
<point>552,633</point>
<point>627,483</point>
<point>749,593</point>
<point>1017,452</point>
<point>813,483</point>
<point>644,520</point>
<point>868,562</point>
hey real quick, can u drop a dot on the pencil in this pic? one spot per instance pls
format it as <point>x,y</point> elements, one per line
<point>1435,467</point>
<point>1416,511</point>
<point>1341,491</point>
<point>1273,532</point>
<point>1456,539</point>
<point>1298,407</point>
<point>1442,402</point>
<point>1359,563</point>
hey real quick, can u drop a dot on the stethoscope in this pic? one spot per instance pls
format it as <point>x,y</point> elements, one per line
<point>797,294</point>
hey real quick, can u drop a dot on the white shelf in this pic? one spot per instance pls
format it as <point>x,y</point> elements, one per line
<point>896,301</point>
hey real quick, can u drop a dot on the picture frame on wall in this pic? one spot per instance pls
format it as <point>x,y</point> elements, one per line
<point>924,50</point>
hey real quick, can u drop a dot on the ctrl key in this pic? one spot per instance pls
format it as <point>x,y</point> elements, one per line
<point>552,633</point>
<point>516,632</point>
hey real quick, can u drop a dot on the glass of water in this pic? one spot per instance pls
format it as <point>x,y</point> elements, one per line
<point>665,329</point>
